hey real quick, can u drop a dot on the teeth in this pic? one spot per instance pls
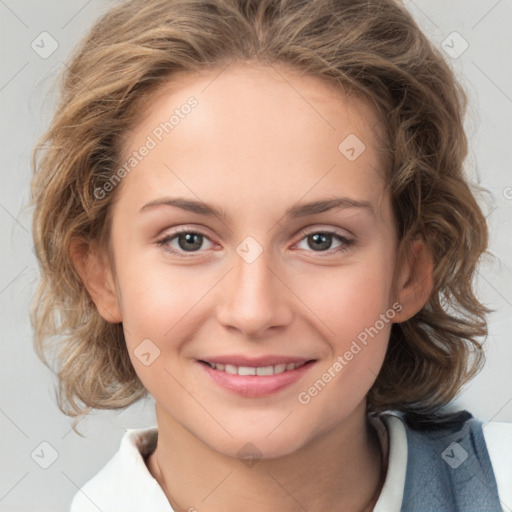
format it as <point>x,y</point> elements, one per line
<point>229,368</point>
<point>265,370</point>
<point>279,368</point>
<point>246,370</point>
<point>251,370</point>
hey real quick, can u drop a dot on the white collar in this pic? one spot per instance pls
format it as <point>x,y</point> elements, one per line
<point>125,483</point>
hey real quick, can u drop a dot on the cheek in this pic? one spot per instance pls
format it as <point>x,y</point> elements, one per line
<point>354,303</point>
<point>164,307</point>
<point>157,305</point>
<point>355,306</point>
<point>155,301</point>
<point>350,298</point>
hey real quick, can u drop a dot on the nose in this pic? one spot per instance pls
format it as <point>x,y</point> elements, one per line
<point>254,298</point>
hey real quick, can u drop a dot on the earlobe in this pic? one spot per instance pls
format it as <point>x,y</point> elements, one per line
<point>415,280</point>
<point>94,270</point>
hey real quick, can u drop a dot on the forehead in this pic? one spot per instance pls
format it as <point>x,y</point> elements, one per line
<point>251,126</point>
<point>256,88</point>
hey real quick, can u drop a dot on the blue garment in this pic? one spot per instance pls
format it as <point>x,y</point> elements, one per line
<point>448,468</point>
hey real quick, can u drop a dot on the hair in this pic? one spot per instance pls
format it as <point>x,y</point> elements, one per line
<point>371,48</point>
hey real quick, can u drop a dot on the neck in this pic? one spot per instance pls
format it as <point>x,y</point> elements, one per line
<point>338,471</point>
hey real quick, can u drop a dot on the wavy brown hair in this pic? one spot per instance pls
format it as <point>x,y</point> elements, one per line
<point>371,48</point>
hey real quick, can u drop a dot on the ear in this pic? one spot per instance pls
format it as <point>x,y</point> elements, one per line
<point>415,280</point>
<point>93,266</point>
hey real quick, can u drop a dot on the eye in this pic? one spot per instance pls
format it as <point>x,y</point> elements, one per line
<point>321,241</point>
<point>183,241</point>
<point>188,241</point>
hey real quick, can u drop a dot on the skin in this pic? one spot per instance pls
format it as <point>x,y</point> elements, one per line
<point>254,146</point>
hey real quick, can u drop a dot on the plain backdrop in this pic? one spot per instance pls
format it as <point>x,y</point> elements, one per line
<point>28,412</point>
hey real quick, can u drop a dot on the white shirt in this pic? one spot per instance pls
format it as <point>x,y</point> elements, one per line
<point>125,484</point>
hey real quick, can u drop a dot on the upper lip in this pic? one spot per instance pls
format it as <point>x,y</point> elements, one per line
<point>255,362</point>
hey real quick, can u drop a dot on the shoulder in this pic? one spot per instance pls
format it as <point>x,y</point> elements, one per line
<point>124,483</point>
<point>498,439</point>
<point>458,451</point>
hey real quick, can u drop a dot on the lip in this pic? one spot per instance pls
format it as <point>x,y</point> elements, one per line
<point>253,386</point>
<point>266,360</point>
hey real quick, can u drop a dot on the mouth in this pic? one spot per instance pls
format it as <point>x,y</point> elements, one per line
<point>255,377</point>
<point>255,370</point>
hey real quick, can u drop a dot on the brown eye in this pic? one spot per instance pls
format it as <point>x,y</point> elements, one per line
<point>190,241</point>
<point>322,241</point>
<point>183,241</point>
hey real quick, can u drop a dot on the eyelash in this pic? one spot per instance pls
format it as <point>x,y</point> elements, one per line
<point>346,242</point>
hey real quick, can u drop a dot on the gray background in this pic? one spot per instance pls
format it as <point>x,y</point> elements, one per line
<point>28,411</point>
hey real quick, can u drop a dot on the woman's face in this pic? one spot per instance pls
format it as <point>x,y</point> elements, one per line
<point>283,268</point>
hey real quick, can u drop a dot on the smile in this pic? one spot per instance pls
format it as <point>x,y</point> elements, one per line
<point>253,378</point>
<point>254,370</point>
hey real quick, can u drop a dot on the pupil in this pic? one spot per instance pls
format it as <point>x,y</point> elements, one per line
<point>192,241</point>
<point>188,239</point>
<point>324,240</point>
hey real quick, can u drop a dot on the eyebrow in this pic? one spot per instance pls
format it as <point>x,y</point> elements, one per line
<point>296,211</point>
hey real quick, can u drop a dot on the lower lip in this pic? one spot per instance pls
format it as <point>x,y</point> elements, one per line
<point>256,385</point>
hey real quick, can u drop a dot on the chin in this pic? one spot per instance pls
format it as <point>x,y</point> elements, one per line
<point>249,446</point>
